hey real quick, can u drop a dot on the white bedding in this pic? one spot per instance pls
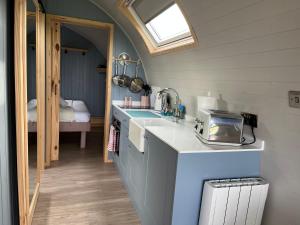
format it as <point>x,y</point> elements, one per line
<point>75,112</point>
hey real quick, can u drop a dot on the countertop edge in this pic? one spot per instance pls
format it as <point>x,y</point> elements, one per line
<point>260,144</point>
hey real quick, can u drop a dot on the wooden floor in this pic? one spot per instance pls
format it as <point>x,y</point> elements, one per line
<point>81,190</point>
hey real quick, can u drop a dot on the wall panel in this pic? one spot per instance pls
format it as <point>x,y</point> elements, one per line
<point>86,10</point>
<point>249,55</point>
<point>79,78</point>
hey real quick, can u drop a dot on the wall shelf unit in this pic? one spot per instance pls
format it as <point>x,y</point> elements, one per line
<point>70,49</point>
<point>66,49</point>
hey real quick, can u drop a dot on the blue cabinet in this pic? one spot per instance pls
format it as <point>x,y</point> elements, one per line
<point>123,148</point>
<point>160,182</point>
<point>137,176</point>
<point>166,186</point>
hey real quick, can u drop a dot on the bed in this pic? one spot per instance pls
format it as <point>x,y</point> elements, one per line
<point>74,117</point>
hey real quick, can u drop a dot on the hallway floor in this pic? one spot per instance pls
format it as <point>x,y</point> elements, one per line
<point>81,190</point>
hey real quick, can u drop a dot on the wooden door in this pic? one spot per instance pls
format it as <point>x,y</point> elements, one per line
<point>40,88</point>
<point>53,88</point>
<point>27,206</point>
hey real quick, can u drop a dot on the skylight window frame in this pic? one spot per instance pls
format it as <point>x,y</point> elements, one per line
<point>185,40</point>
<point>172,39</point>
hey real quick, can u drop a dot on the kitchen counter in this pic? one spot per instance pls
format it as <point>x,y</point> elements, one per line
<point>165,181</point>
<point>181,137</point>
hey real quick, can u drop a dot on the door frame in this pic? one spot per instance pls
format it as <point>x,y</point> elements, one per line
<point>26,208</point>
<point>52,140</point>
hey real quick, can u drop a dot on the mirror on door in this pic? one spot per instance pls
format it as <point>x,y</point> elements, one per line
<point>32,103</point>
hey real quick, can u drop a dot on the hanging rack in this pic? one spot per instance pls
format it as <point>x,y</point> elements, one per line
<point>127,60</point>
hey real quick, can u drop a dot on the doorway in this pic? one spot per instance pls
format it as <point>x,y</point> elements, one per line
<point>54,49</point>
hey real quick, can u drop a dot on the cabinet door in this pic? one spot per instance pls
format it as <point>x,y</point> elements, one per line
<point>160,182</point>
<point>137,175</point>
<point>123,151</point>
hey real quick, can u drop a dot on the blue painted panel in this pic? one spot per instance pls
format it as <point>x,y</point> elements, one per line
<point>194,169</point>
<point>86,10</point>
<point>79,78</point>
<point>31,74</point>
<point>31,69</point>
<point>123,45</point>
<point>160,182</point>
<point>123,150</point>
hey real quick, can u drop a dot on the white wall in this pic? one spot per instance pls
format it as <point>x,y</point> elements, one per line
<point>249,53</point>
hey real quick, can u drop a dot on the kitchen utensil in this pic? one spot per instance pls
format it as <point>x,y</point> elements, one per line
<point>130,102</point>
<point>156,100</point>
<point>136,84</point>
<point>126,102</point>
<point>116,77</point>
<point>124,80</point>
<point>145,102</point>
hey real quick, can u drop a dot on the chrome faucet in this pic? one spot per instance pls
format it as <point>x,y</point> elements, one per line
<point>176,112</point>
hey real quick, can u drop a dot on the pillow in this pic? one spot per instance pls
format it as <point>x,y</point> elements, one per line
<point>32,104</point>
<point>63,103</point>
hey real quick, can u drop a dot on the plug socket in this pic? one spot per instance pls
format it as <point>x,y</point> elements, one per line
<point>250,119</point>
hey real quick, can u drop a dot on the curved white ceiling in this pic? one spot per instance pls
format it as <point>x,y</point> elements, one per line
<point>93,35</point>
<point>190,8</point>
<point>110,7</point>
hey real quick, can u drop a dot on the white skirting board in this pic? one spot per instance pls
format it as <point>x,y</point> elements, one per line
<point>233,202</point>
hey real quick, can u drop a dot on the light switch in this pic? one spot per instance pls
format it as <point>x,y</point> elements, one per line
<point>294,99</point>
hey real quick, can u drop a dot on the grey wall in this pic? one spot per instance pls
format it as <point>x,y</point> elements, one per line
<point>249,53</point>
<point>31,67</point>
<point>79,78</point>
<point>5,201</point>
<point>85,9</point>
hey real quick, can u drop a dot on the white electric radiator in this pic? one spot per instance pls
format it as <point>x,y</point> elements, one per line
<point>233,202</point>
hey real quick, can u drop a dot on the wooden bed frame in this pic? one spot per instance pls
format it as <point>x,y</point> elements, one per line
<point>82,127</point>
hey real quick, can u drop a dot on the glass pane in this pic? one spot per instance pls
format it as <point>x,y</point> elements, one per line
<point>32,100</point>
<point>168,25</point>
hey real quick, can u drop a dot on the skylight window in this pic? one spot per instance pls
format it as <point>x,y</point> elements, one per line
<point>169,26</point>
<point>161,24</point>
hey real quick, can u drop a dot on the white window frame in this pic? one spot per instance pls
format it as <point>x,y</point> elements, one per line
<point>182,41</point>
<point>169,40</point>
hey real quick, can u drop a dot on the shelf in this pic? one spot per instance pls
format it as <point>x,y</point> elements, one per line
<point>68,49</point>
<point>74,49</point>
<point>101,70</point>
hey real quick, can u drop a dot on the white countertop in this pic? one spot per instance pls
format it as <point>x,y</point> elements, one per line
<point>181,137</point>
